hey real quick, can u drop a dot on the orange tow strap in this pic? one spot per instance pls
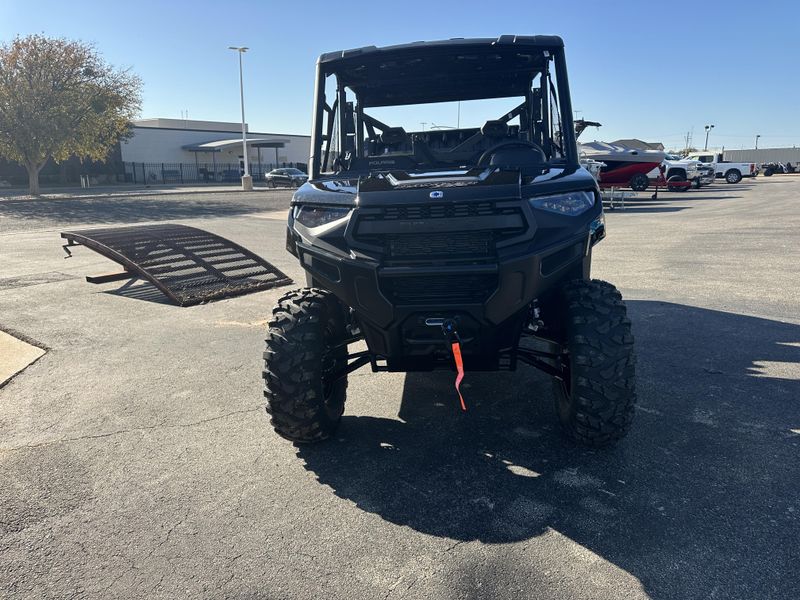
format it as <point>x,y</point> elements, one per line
<point>460,368</point>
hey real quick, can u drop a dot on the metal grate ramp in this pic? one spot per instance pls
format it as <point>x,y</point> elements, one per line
<point>187,264</point>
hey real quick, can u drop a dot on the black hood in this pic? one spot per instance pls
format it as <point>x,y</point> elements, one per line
<point>393,187</point>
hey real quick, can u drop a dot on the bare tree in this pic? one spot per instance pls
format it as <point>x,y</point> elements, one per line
<point>58,98</point>
<point>686,151</point>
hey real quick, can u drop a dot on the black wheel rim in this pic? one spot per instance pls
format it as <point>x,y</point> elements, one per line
<point>330,365</point>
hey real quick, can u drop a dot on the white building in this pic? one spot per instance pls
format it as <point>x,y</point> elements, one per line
<point>764,155</point>
<point>172,149</point>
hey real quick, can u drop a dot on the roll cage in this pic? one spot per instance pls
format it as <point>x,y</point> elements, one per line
<point>346,138</point>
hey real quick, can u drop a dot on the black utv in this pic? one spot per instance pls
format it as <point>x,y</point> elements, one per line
<point>454,246</point>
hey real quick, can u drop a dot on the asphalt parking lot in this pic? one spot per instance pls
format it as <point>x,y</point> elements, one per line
<point>136,460</point>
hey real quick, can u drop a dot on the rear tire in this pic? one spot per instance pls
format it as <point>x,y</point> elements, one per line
<point>596,401</point>
<point>639,182</point>
<point>733,176</point>
<point>768,172</point>
<point>302,350</point>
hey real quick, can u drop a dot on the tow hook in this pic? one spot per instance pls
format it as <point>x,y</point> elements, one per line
<point>451,336</point>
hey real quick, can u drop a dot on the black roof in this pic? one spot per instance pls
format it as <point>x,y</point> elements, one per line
<point>441,71</point>
<point>518,41</point>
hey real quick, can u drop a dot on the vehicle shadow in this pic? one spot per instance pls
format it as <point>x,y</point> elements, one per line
<point>635,207</point>
<point>700,499</point>
<point>645,205</point>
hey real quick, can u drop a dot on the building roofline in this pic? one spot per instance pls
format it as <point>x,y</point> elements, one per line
<point>215,131</point>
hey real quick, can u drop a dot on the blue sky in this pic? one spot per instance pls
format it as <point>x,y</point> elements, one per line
<point>633,67</point>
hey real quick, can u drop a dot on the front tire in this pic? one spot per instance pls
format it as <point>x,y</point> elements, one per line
<point>596,400</point>
<point>676,179</point>
<point>304,347</point>
<point>733,176</point>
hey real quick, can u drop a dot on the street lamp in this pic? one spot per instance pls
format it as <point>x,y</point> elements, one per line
<point>708,130</point>
<point>247,181</point>
<point>757,136</point>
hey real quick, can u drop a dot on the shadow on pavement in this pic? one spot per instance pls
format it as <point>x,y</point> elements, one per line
<point>635,207</point>
<point>65,212</point>
<point>699,501</point>
<point>137,289</point>
<point>701,196</point>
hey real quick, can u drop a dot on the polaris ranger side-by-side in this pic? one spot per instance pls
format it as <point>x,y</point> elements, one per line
<point>461,248</point>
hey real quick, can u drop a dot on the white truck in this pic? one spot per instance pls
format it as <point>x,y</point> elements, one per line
<point>674,168</point>
<point>732,172</point>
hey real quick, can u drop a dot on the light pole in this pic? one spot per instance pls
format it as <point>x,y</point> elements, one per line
<point>247,181</point>
<point>757,136</point>
<point>708,130</point>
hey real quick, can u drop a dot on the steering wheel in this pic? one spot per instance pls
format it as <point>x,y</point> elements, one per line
<point>510,143</point>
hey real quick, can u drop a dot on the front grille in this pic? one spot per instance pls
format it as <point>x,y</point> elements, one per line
<point>456,245</point>
<point>406,246</point>
<point>439,289</point>
<point>439,211</point>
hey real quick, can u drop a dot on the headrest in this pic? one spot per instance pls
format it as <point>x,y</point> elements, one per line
<point>394,135</point>
<point>494,129</point>
<point>528,160</point>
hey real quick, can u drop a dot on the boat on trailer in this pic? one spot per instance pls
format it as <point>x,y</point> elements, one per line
<point>623,167</point>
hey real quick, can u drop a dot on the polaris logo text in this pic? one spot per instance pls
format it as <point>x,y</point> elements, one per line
<point>436,194</point>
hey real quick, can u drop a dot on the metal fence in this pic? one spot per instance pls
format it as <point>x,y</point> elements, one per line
<point>182,173</point>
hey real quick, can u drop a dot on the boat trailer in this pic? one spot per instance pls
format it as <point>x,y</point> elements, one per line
<point>188,265</point>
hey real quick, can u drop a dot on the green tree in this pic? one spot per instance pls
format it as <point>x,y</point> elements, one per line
<point>59,98</point>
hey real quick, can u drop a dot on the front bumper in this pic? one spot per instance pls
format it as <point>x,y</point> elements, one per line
<point>489,299</point>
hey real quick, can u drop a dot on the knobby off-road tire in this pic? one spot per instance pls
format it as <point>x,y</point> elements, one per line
<point>306,326</point>
<point>595,404</point>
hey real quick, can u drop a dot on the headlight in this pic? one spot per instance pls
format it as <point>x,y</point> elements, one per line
<point>314,216</point>
<point>572,203</point>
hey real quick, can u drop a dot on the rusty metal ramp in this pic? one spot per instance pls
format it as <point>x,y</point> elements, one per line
<point>188,265</point>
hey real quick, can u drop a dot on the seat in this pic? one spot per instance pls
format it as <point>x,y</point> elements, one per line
<point>530,160</point>
<point>394,136</point>
<point>494,129</point>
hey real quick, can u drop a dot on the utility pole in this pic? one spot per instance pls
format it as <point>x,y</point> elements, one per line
<point>757,136</point>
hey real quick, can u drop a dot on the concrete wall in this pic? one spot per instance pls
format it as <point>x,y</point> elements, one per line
<point>161,145</point>
<point>764,155</point>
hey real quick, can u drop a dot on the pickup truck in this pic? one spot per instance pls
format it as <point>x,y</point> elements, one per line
<point>675,168</point>
<point>731,171</point>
